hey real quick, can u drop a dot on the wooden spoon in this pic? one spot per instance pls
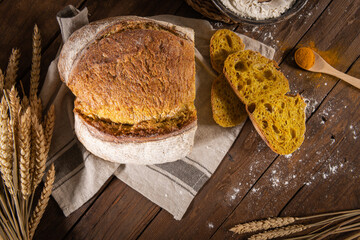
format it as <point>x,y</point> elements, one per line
<point>320,65</point>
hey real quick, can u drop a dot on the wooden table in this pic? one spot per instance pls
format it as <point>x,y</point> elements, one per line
<point>252,182</point>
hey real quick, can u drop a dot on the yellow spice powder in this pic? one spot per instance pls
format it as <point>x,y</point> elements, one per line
<point>304,57</point>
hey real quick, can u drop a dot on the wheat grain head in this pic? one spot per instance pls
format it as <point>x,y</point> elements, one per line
<point>278,232</point>
<point>12,68</point>
<point>40,152</point>
<point>262,225</point>
<point>49,123</point>
<point>43,201</point>
<point>35,66</point>
<point>6,152</point>
<point>24,136</point>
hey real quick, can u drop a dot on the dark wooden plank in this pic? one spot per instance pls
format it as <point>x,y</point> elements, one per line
<point>287,175</point>
<point>322,176</point>
<point>17,23</point>
<point>119,213</point>
<point>335,186</point>
<point>54,225</point>
<point>247,160</point>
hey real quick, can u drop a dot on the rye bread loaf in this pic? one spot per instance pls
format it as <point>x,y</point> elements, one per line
<point>134,82</point>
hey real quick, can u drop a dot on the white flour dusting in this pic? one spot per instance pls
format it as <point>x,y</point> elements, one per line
<point>256,10</point>
<point>211,225</point>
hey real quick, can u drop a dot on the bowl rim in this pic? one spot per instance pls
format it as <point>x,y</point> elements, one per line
<point>298,5</point>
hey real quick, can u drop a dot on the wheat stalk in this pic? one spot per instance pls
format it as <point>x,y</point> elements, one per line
<point>24,143</point>
<point>1,82</point>
<point>13,101</point>
<point>278,232</point>
<point>36,107</point>
<point>6,148</point>
<point>43,201</point>
<point>35,66</point>
<point>24,151</point>
<point>11,71</point>
<point>40,153</point>
<point>262,225</point>
<point>48,125</point>
<point>25,103</point>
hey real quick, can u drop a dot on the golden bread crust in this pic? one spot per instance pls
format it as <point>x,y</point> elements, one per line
<point>135,72</point>
<point>143,131</point>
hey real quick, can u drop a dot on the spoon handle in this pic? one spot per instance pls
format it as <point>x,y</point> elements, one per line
<point>347,78</point>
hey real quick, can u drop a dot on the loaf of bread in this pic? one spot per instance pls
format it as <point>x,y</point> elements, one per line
<point>223,43</point>
<point>134,82</point>
<point>227,109</point>
<point>278,118</point>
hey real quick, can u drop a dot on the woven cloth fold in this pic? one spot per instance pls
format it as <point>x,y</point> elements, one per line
<point>171,185</point>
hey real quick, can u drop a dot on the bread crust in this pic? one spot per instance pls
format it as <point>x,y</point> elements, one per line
<point>133,71</point>
<point>150,151</point>
<point>84,36</point>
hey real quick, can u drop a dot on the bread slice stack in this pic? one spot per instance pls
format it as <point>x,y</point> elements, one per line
<point>134,82</point>
<point>278,117</point>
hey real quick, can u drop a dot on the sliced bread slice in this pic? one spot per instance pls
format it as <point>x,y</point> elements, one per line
<point>227,109</point>
<point>280,121</point>
<point>223,43</point>
<point>250,75</point>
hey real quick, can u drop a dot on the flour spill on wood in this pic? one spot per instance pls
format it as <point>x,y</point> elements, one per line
<point>210,225</point>
<point>311,105</point>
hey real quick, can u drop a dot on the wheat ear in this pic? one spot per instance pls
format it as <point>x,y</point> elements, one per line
<point>12,68</point>
<point>36,107</point>
<point>49,123</point>
<point>6,151</point>
<point>43,201</point>
<point>1,83</point>
<point>24,152</point>
<point>278,232</point>
<point>15,107</point>
<point>35,66</point>
<point>40,152</point>
<point>262,225</point>
<point>25,103</point>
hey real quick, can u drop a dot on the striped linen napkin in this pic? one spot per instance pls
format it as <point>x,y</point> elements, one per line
<point>171,185</point>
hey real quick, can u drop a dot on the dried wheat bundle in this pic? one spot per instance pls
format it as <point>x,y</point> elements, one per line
<point>334,223</point>
<point>25,137</point>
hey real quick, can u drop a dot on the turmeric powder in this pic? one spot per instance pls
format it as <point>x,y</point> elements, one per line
<point>305,58</point>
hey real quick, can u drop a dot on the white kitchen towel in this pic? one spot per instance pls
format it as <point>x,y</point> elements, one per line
<point>171,185</point>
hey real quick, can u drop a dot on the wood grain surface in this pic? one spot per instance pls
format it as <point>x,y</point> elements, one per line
<point>252,182</point>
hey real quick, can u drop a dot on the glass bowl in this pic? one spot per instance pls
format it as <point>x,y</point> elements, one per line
<point>299,4</point>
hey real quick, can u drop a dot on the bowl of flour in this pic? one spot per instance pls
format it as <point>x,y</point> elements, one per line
<point>259,12</point>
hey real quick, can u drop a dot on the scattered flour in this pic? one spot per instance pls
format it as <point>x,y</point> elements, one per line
<point>311,105</point>
<point>211,225</point>
<point>234,195</point>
